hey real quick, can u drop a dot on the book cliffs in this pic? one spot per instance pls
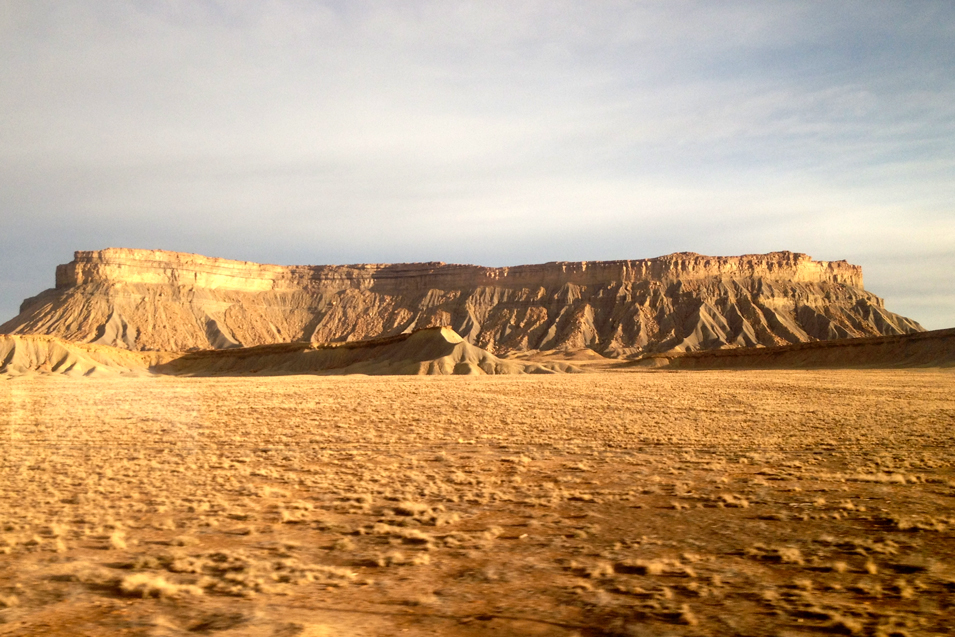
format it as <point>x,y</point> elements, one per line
<point>158,300</point>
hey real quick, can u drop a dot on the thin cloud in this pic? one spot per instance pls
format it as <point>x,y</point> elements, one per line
<point>497,133</point>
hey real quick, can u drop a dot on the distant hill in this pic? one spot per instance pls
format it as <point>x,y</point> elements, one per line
<point>925,349</point>
<point>30,354</point>
<point>168,301</point>
<point>433,351</point>
<point>440,351</point>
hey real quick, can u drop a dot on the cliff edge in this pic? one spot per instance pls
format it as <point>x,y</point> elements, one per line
<point>159,300</point>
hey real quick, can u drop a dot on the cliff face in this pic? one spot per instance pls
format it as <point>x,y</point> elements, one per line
<point>157,300</point>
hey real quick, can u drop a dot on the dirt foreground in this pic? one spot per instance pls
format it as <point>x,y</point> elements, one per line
<point>629,503</point>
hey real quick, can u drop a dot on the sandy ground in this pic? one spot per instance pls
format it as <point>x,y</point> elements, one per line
<point>628,503</point>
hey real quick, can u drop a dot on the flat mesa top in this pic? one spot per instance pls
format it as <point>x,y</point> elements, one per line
<point>783,257</point>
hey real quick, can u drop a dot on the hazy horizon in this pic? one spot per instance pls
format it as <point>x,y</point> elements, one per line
<point>297,132</point>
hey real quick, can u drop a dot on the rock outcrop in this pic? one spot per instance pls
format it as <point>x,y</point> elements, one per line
<point>157,300</point>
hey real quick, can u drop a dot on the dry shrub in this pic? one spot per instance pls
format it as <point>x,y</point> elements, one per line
<point>150,585</point>
<point>734,500</point>
<point>408,536</point>
<point>686,616</point>
<point>493,532</point>
<point>640,567</point>
<point>117,540</point>
<point>783,555</point>
<point>601,570</point>
<point>411,508</point>
<point>845,625</point>
<point>293,517</point>
<point>397,558</point>
<point>89,574</point>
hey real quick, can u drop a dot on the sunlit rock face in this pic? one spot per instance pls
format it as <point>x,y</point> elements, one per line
<point>158,300</point>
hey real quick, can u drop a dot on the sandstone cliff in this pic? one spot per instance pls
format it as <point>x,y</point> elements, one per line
<point>157,300</point>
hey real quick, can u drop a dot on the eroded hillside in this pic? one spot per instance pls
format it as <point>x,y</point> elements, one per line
<point>432,351</point>
<point>157,300</point>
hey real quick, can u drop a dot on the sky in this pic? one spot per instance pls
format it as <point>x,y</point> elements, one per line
<point>496,133</point>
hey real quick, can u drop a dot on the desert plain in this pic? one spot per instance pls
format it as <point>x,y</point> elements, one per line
<point>624,502</point>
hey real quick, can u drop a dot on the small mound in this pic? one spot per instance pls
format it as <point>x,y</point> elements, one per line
<point>430,351</point>
<point>29,354</point>
<point>923,349</point>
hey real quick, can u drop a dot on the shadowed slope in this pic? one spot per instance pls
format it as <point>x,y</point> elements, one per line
<point>433,351</point>
<point>925,349</point>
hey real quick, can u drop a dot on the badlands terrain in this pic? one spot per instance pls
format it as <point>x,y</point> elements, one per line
<point>171,301</point>
<point>199,447</point>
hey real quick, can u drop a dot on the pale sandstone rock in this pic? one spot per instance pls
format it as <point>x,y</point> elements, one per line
<point>158,300</point>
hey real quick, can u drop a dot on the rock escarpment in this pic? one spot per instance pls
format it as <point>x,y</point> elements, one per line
<point>158,300</point>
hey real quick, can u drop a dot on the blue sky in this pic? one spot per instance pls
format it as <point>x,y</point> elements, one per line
<point>498,133</point>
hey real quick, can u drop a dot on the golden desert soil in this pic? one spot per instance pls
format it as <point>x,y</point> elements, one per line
<point>628,503</point>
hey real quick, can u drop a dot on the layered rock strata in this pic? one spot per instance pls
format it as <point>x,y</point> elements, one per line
<point>158,300</point>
